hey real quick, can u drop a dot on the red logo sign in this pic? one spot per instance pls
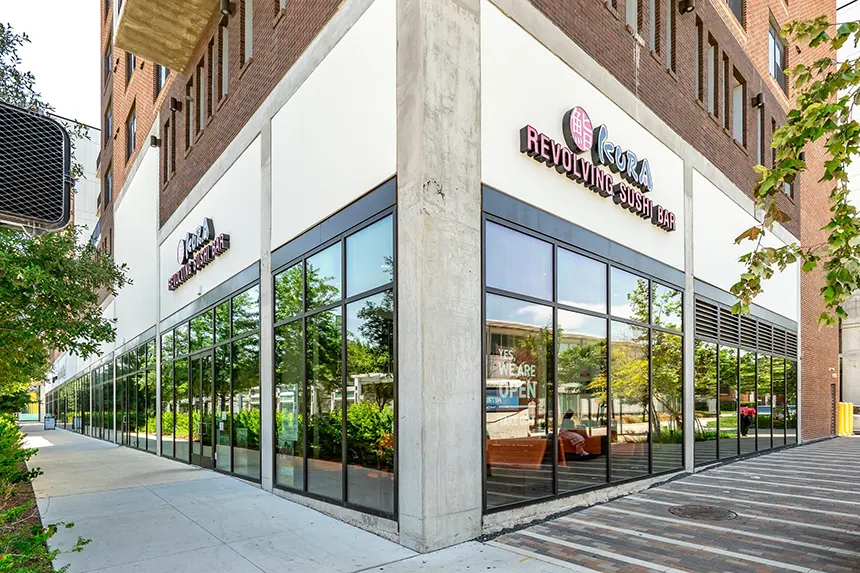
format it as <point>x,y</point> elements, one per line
<point>578,131</point>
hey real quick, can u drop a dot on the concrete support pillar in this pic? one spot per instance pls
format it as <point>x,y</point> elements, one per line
<point>439,272</point>
<point>850,383</point>
<point>267,312</point>
<point>689,314</point>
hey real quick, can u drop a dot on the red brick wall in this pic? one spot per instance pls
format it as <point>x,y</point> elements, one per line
<point>280,37</point>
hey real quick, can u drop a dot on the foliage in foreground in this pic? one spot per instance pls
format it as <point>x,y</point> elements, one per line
<point>826,93</point>
<point>23,545</point>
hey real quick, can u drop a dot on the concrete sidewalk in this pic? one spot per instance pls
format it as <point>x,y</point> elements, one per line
<point>146,514</point>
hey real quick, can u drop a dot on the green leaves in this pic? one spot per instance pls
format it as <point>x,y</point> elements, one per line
<point>826,92</point>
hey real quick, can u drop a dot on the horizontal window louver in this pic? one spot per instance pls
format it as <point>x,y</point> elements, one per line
<point>779,341</point>
<point>748,332</point>
<point>707,322</point>
<point>765,337</point>
<point>791,345</point>
<point>730,327</point>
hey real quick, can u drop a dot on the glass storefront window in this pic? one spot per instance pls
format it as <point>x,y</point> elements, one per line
<point>246,311</point>
<point>667,308</point>
<point>223,416</point>
<point>201,332</point>
<point>222,322</point>
<point>728,422</point>
<point>370,400</point>
<point>630,298</point>
<point>246,406</point>
<point>518,263</point>
<point>168,407</point>
<point>518,402</point>
<point>705,401</point>
<point>581,400</point>
<point>791,401</point>
<point>370,257</point>
<point>288,293</point>
<point>630,411</point>
<point>323,277</point>
<point>289,405</point>
<point>778,403</point>
<point>181,340</point>
<point>581,281</point>
<point>182,413</point>
<point>746,419</point>
<point>763,403</point>
<point>667,381</point>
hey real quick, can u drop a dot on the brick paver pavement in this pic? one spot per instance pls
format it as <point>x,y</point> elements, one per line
<point>797,510</point>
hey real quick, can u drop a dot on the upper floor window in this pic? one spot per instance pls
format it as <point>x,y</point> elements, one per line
<point>130,133</point>
<point>130,63</point>
<point>223,69</point>
<point>189,114</point>
<point>201,96</point>
<point>652,25</point>
<point>247,30</point>
<point>739,98</point>
<point>108,57</point>
<point>108,123</point>
<point>161,74</point>
<point>737,8</point>
<point>776,55</point>
<point>108,184</point>
<point>632,15</point>
<point>711,65</point>
<point>670,33</point>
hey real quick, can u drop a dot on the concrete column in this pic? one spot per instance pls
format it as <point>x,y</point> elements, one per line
<point>689,313</point>
<point>267,312</point>
<point>439,272</point>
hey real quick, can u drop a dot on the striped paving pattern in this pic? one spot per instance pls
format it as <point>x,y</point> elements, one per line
<point>797,510</point>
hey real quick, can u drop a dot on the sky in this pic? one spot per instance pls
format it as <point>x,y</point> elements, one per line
<point>63,53</point>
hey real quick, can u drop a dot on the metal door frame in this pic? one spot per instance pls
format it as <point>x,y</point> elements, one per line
<point>200,459</point>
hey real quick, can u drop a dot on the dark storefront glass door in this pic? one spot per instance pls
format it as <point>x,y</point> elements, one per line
<point>202,396</point>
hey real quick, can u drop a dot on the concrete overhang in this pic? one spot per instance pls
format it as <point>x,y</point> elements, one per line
<point>165,32</point>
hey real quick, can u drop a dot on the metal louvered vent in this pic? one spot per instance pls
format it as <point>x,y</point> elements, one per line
<point>748,331</point>
<point>730,327</point>
<point>706,320</point>
<point>765,337</point>
<point>778,341</point>
<point>791,345</point>
<point>35,177</point>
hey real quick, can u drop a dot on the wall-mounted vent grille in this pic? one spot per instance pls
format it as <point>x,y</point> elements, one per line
<point>779,341</point>
<point>765,337</point>
<point>791,344</point>
<point>35,164</point>
<point>707,323</point>
<point>748,330</point>
<point>730,326</point>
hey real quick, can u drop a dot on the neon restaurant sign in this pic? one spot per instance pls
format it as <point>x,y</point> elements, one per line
<point>580,136</point>
<point>197,250</point>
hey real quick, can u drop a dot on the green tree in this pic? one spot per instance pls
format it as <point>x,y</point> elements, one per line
<point>48,284</point>
<point>826,93</point>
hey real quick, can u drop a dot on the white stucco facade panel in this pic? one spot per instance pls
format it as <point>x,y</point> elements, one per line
<point>717,222</point>
<point>233,204</point>
<point>523,83</point>
<point>335,139</point>
<point>135,245</point>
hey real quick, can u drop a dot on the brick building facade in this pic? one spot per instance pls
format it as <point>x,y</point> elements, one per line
<point>334,177</point>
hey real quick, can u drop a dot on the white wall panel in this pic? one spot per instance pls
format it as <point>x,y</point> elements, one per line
<point>233,204</point>
<point>335,139</point>
<point>523,83</point>
<point>718,221</point>
<point>135,227</point>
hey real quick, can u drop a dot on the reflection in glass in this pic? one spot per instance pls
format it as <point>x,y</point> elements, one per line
<point>728,444</point>
<point>517,262</point>
<point>518,401</point>
<point>324,277</point>
<point>151,436</point>
<point>183,412</point>
<point>246,311</point>
<point>289,405</point>
<point>667,380</point>
<point>370,401</point>
<point>222,321</point>
<point>705,401</point>
<point>763,403</point>
<point>581,401</point>
<point>581,281</point>
<point>629,296</point>
<point>325,385</point>
<point>791,401</point>
<point>246,405</point>
<point>629,390</point>
<point>746,420</point>
<point>181,339</point>
<point>288,293</point>
<point>667,307</point>
<point>132,393</point>
<point>223,426</point>
<point>201,335</point>
<point>370,257</point>
<point>108,401</point>
<point>168,408</point>
<point>778,416</point>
